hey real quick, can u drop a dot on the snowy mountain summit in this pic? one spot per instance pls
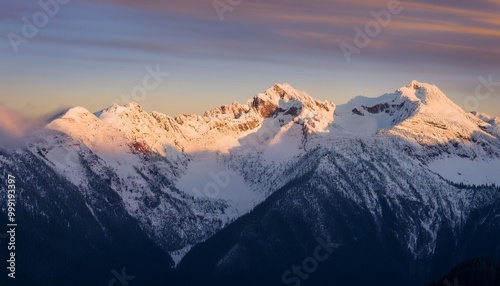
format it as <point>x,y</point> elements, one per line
<point>415,111</point>
<point>408,177</point>
<point>418,111</point>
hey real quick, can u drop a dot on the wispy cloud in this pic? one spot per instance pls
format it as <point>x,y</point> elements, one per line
<point>118,34</point>
<point>260,28</point>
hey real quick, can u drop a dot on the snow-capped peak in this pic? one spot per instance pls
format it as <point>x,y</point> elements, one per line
<point>418,111</point>
<point>77,113</point>
<point>283,96</point>
<point>436,119</point>
<point>427,94</point>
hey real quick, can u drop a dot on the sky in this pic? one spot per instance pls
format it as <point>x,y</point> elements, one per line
<point>193,55</point>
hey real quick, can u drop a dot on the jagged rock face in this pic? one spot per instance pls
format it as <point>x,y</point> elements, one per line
<point>308,164</point>
<point>384,107</point>
<point>357,112</point>
<point>264,107</point>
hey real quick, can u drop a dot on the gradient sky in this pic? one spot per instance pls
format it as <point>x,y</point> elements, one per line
<point>92,52</point>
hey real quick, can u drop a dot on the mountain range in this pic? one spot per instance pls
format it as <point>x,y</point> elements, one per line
<point>393,190</point>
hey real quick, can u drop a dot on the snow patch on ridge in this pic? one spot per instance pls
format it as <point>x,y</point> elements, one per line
<point>466,171</point>
<point>179,254</point>
<point>207,177</point>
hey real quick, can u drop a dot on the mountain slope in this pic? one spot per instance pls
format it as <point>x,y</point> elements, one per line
<point>397,222</point>
<point>375,175</point>
<point>64,234</point>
